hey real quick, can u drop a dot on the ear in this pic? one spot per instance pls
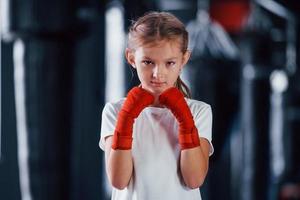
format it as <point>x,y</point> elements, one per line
<point>186,57</point>
<point>129,54</point>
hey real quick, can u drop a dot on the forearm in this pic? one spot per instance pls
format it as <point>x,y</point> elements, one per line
<point>194,164</point>
<point>119,166</point>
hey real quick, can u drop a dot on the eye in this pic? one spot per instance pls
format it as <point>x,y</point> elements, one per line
<point>147,62</point>
<point>170,63</point>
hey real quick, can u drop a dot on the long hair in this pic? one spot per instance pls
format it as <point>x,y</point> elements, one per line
<point>155,26</point>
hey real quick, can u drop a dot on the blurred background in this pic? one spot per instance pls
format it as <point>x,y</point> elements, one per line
<point>61,60</point>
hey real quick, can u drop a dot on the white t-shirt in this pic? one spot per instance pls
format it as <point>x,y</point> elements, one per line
<point>155,151</point>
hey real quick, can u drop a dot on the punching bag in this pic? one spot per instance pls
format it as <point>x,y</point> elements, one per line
<point>43,35</point>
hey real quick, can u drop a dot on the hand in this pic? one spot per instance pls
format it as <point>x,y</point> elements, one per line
<point>137,99</point>
<point>173,99</point>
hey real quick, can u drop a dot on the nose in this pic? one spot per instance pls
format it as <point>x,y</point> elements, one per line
<point>158,72</point>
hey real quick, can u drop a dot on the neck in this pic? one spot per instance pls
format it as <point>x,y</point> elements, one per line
<point>156,103</point>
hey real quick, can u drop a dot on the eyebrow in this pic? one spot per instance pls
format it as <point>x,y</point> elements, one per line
<point>172,58</point>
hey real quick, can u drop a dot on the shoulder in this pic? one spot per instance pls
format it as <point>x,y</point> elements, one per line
<point>113,106</point>
<point>116,105</point>
<point>198,106</point>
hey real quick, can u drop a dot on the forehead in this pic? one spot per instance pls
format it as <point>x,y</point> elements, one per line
<point>160,49</point>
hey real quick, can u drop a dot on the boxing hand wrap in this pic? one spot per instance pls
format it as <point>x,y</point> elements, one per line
<point>137,99</point>
<point>173,99</point>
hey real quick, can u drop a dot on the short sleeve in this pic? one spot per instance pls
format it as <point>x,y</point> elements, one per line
<point>108,122</point>
<point>203,122</point>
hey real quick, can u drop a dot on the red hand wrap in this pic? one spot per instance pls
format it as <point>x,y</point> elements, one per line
<point>137,99</point>
<point>188,133</point>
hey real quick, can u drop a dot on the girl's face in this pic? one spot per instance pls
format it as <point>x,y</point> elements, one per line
<point>158,65</point>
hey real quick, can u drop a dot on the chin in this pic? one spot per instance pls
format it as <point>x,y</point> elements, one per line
<point>156,90</point>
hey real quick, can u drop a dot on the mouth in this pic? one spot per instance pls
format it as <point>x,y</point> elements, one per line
<point>157,84</point>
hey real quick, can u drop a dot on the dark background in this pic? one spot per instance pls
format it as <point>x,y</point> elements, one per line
<point>64,86</point>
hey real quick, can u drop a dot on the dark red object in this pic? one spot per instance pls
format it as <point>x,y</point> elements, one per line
<point>231,14</point>
<point>188,133</point>
<point>137,99</point>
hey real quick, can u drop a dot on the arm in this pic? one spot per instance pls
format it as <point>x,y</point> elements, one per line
<point>194,151</point>
<point>119,166</point>
<point>194,164</point>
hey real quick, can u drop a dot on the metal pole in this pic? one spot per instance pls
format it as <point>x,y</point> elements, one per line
<point>22,130</point>
<point>248,133</point>
<point>279,84</point>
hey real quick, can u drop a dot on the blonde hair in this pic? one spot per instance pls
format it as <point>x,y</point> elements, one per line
<point>155,26</point>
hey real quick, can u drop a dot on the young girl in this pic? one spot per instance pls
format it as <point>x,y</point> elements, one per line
<point>157,141</point>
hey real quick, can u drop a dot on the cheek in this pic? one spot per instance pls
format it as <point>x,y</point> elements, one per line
<point>174,79</point>
<point>142,74</point>
<point>174,72</point>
